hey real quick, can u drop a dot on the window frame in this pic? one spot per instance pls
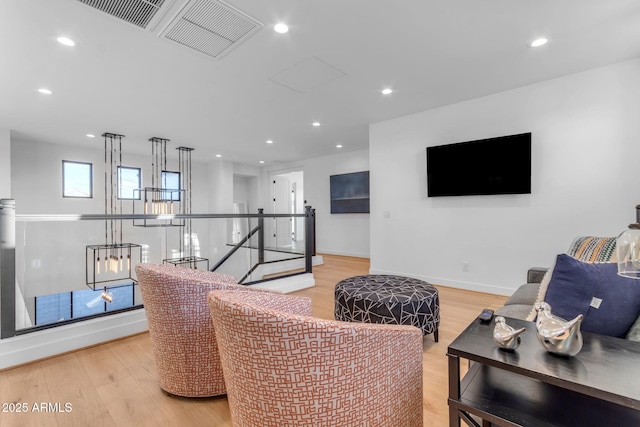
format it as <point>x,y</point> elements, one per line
<point>64,192</point>
<point>138,187</point>
<point>163,186</point>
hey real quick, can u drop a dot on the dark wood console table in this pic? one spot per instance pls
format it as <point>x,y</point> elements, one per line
<point>600,386</point>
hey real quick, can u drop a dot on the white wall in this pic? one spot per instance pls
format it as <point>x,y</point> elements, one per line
<point>245,189</point>
<point>37,177</point>
<point>341,234</point>
<point>250,178</point>
<point>585,149</point>
<point>241,186</point>
<point>219,193</point>
<point>5,164</point>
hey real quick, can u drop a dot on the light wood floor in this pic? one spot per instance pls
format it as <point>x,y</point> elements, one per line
<point>114,384</point>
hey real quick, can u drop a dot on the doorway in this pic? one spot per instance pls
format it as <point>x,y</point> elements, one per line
<point>288,198</point>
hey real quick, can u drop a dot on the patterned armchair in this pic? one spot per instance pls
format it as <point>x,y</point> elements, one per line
<point>285,368</point>
<point>180,326</point>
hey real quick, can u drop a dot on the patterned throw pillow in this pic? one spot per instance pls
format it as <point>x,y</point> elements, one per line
<point>593,249</point>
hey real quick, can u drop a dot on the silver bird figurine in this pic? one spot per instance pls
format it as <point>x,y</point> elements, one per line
<point>557,335</point>
<point>505,336</point>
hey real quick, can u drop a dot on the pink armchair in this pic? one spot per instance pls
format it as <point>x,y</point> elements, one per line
<point>181,329</point>
<point>285,368</point>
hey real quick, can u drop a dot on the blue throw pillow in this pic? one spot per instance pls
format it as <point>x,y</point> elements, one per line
<point>577,287</point>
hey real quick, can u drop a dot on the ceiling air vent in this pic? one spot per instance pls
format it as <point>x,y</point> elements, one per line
<point>211,27</point>
<point>137,12</point>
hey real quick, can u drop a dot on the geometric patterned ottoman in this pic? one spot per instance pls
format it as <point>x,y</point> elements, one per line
<point>382,298</point>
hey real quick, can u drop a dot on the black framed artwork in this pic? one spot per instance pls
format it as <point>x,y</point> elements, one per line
<point>349,193</point>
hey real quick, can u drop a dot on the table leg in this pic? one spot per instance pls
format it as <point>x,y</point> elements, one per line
<point>454,389</point>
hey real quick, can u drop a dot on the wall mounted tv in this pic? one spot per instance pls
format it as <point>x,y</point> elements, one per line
<point>500,165</point>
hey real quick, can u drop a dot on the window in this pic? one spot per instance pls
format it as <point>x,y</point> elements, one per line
<point>129,179</point>
<point>77,179</point>
<point>82,303</point>
<point>171,181</point>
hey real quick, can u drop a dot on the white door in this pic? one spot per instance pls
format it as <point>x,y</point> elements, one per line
<point>238,227</point>
<point>282,205</point>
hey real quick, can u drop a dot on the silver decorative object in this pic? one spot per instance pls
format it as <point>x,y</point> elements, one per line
<point>557,335</point>
<point>505,336</point>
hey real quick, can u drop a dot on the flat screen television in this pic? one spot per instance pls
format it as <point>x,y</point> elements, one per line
<point>500,165</point>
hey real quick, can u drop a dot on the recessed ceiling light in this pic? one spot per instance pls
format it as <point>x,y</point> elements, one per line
<point>45,91</point>
<point>218,155</point>
<point>269,141</point>
<point>316,124</point>
<point>281,28</point>
<point>387,91</point>
<point>66,41</point>
<point>539,42</point>
<point>90,135</point>
<point>339,146</point>
<point>261,161</point>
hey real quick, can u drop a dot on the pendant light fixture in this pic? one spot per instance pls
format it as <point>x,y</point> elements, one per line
<point>111,262</point>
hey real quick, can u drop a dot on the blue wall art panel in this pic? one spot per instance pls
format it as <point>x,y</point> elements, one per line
<point>350,193</point>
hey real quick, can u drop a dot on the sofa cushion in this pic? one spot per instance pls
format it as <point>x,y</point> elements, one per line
<point>525,294</point>
<point>609,303</point>
<point>536,274</point>
<point>517,311</point>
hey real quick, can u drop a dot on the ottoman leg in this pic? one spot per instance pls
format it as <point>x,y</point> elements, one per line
<point>435,335</point>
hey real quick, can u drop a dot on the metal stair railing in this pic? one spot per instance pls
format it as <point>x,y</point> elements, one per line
<point>309,216</point>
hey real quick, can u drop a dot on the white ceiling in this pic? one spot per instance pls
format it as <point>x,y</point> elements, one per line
<point>329,67</point>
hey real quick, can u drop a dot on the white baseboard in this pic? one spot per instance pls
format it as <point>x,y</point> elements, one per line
<point>344,253</point>
<point>470,286</point>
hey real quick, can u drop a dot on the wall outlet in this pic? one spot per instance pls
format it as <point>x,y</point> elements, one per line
<point>465,266</point>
